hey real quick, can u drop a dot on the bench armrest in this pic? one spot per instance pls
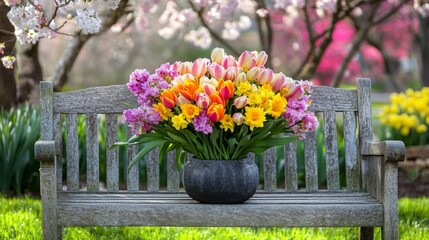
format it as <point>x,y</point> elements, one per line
<point>393,151</point>
<point>44,151</point>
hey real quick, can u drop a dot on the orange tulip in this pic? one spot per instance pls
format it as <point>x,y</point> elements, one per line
<point>168,98</point>
<point>189,89</point>
<point>217,98</point>
<point>215,112</point>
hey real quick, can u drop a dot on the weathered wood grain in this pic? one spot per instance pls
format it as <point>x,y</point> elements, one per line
<point>48,175</point>
<point>291,167</point>
<point>333,99</point>
<point>331,144</point>
<point>92,153</point>
<point>173,175</point>
<point>310,155</point>
<point>365,124</point>
<point>351,155</point>
<point>107,99</point>
<point>153,170</point>
<point>72,151</point>
<point>58,127</point>
<point>270,171</point>
<point>112,161</point>
<point>182,211</point>
<point>133,172</point>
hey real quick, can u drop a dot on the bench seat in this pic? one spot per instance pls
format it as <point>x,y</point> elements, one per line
<point>319,209</point>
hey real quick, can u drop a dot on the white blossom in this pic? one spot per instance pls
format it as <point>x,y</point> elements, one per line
<point>282,4</point>
<point>200,37</point>
<point>423,9</point>
<point>8,61</point>
<point>88,20</point>
<point>2,47</point>
<point>29,23</point>
<point>11,3</point>
<point>327,5</point>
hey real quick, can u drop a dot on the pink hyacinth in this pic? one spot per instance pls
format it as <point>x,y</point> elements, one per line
<point>134,118</point>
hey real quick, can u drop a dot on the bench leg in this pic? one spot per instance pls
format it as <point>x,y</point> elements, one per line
<point>366,233</point>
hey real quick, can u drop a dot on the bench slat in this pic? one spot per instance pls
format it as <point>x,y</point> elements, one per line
<point>72,151</point>
<point>291,167</point>
<point>133,173</point>
<point>333,99</point>
<point>92,159</point>
<point>352,173</point>
<point>173,176</point>
<point>112,161</point>
<point>310,155</point>
<point>179,210</point>
<point>270,172</point>
<point>153,170</point>
<point>332,166</point>
<point>58,149</point>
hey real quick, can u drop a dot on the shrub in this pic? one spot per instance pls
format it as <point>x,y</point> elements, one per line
<point>19,127</point>
<point>407,117</point>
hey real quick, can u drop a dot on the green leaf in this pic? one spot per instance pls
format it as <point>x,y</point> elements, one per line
<point>147,147</point>
<point>276,141</point>
<point>127,105</point>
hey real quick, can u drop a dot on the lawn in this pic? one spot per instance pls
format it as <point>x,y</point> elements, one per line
<point>21,219</point>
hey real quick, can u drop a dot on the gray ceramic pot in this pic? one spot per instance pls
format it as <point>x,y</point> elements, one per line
<point>220,181</point>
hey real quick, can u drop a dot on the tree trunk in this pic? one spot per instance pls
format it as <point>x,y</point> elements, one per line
<point>29,73</point>
<point>7,77</point>
<point>424,50</point>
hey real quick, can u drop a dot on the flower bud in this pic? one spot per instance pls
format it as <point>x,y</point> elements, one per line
<point>217,71</point>
<point>209,89</point>
<point>203,80</point>
<point>262,58</point>
<point>240,102</point>
<point>238,118</point>
<point>241,77</point>
<point>228,61</point>
<point>203,101</point>
<point>253,73</point>
<point>217,55</point>
<point>265,76</point>
<point>199,67</point>
<point>231,73</point>
<point>247,60</point>
<point>296,93</point>
<point>168,98</point>
<point>279,81</point>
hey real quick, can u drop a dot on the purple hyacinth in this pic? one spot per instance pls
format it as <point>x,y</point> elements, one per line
<point>142,119</point>
<point>166,72</point>
<point>137,80</point>
<point>202,123</point>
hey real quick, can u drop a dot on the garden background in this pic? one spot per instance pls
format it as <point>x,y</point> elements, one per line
<point>328,42</point>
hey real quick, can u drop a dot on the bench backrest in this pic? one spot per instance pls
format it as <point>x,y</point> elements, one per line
<point>352,107</point>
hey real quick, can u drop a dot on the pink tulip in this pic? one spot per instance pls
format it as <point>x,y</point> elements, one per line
<point>231,73</point>
<point>228,61</point>
<point>262,58</point>
<point>253,73</point>
<point>209,89</point>
<point>199,67</point>
<point>247,60</point>
<point>217,71</point>
<point>238,118</point>
<point>279,81</point>
<point>297,92</point>
<point>265,76</point>
<point>182,100</point>
<point>240,102</point>
<point>203,101</point>
<point>241,77</point>
<point>217,55</point>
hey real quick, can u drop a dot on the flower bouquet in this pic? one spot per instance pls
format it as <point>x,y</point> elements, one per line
<point>219,108</point>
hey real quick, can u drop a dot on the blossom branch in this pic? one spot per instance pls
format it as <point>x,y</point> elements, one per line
<point>211,31</point>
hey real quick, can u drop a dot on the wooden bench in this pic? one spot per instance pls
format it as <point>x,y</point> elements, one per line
<point>368,200</point>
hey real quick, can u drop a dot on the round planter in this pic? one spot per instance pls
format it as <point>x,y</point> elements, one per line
<point>220,181</point>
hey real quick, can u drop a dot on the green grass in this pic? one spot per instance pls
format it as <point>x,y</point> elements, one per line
<point>21,219</point>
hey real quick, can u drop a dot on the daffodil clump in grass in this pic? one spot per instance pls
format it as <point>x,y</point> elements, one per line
<point>407,117</point>
<point>218,108</point>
